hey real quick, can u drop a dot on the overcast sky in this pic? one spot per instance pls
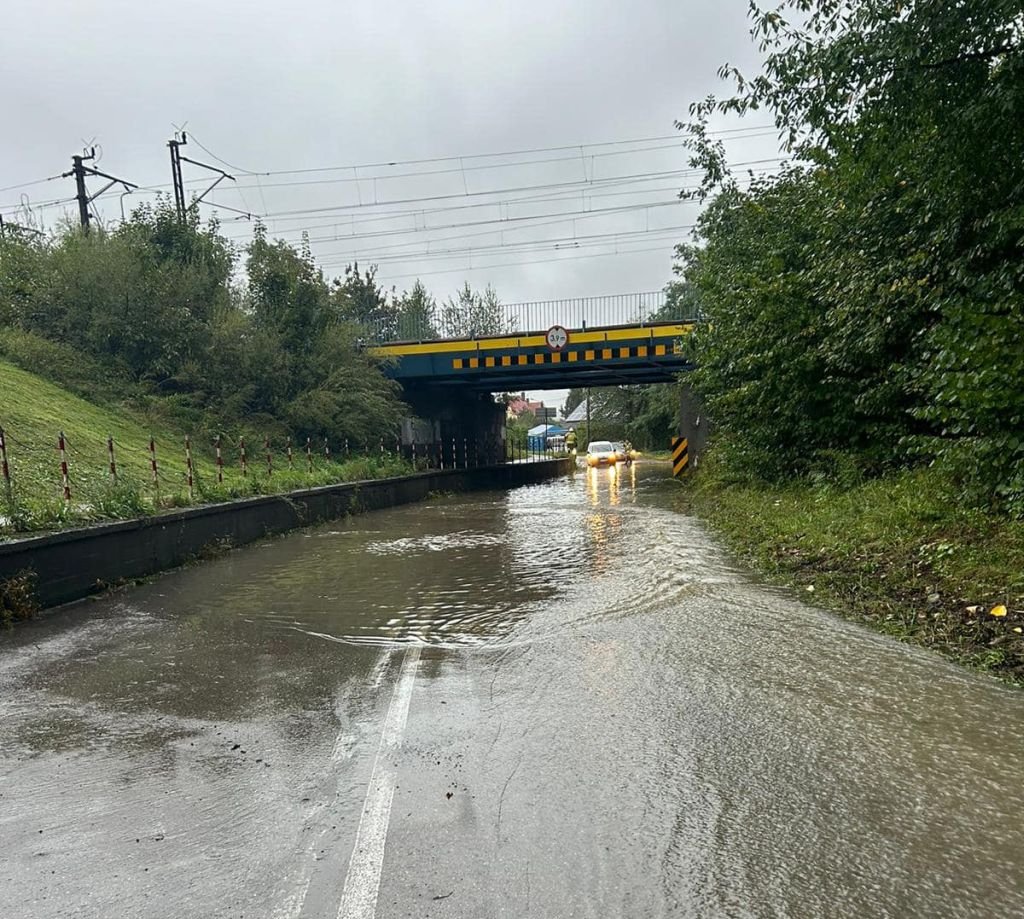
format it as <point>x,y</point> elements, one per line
<point>328,86</point>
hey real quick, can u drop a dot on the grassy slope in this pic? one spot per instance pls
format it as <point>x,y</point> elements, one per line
<point>33,410</point>
<point>897,553</point>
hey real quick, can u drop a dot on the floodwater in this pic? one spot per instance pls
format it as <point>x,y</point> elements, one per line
<point>561,701</point>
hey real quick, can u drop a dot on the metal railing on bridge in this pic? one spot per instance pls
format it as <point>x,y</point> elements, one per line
<point>482,319</point>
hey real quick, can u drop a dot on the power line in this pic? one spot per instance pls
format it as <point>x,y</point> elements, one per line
<point>565,258</point>
<point>498,191</point>
<point>766,129</point>
<point>461,169</point>
<point>28,184</point>
<point>503,222</point>
<point>507,203</point>
<point>530,245</point>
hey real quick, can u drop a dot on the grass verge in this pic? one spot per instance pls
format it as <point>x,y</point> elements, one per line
<point>34,410</point>
<point>898,553</point>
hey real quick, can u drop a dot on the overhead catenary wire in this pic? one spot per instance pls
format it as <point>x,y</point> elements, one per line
<point>33,182</point>
<point>493,191</point>
<point>725,132</point>
<point>567,241</point>
<point>465,269</point>
<point>561,194</point>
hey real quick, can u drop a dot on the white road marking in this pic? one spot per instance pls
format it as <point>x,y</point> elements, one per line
<point>362,884</point>
<point>344,746</point>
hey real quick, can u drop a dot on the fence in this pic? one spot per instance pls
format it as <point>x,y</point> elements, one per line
<point>533,317</point>
<point>93,480</point>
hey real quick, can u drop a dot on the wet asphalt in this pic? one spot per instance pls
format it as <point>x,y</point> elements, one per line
<point>561,701</point>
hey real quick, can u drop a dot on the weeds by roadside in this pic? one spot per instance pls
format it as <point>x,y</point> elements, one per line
<point>18,598</point>
<point>898,553</point>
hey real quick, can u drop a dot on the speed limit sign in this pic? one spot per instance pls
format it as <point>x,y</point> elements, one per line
<point>557,337</point>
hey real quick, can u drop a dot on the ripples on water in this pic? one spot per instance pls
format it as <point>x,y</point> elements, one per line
<point>486,570</point>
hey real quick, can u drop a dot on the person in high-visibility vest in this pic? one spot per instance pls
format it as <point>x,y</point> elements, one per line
<point>570,442</point>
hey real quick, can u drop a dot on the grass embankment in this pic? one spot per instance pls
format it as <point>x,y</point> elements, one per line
<point>34,410</point>
<point>898,553</point>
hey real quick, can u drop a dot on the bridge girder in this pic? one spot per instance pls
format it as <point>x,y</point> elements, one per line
<point>593,357</point>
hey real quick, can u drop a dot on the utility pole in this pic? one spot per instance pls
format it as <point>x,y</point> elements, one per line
<point>176,180</point>
<point>79,170</point>
<point>177,159</point>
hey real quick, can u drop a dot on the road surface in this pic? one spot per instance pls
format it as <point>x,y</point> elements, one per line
<point>563,701</point>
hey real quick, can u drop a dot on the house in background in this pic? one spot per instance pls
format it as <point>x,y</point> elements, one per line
<point>520,405</point>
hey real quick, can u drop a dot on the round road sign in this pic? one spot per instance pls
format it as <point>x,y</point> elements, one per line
<point>557,337</point>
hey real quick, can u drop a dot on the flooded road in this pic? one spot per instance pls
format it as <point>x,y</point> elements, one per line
<point>561,701</point>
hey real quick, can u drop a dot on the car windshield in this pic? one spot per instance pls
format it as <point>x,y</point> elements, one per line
<point>600,446</point>
<point>619,446</point>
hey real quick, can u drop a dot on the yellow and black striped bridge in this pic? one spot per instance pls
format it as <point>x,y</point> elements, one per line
<point>606,356</point>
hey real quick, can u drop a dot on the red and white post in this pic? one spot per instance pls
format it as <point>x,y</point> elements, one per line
<point>6,469</point>
<point>241,452</point>
<point>309,454</point>
<point>291,459</point>
<point>152,466</point>
<point>65,479</point>
<point>188,467</point>
<point>110,460</point>
<point>327,450</point>
<point>220,463</point>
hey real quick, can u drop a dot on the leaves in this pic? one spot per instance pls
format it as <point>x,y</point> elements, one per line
<point>870,299</point>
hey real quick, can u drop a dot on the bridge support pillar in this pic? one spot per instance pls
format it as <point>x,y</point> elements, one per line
<point>693,423</point>
<point>442,413</point>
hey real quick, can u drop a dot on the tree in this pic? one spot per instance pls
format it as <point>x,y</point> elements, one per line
<point>361,300</point>
<point>417,311</point>
<point>472,314</point>
<point>287,292</point>
<point>903,259</point>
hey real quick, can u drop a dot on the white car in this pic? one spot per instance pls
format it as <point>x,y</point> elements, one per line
<point>601,453</point>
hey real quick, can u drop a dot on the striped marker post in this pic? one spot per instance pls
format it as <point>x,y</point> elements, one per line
<point>309,454</point>
<point>188,467</point>
<point>680,456</point>
<point>465,453</point>
<point>270,459</point>
<point>65,479</point>
<point>455,455</point>
<point>382,448</point>
<point>241,452</point>
<point>346,448</point>
<point>8,491</point>
<point>291,459</point>
<point>327,450</point>
<point>414,454</point>
<point>152,466</point>
<point>111,461</point>
<point>220,463</point>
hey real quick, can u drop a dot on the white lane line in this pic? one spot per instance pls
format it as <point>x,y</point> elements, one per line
<point>344,746</point>
<point>362,884</point>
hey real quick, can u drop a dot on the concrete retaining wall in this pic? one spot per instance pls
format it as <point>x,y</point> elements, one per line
<point>75,563</point>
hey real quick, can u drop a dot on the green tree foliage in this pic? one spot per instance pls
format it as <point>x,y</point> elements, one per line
<point>417,315</point>
<point>361,300</point>
<point>871,300</point>
<point>472,314</point>
<point>645,415</point>
<point>154,305</point>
